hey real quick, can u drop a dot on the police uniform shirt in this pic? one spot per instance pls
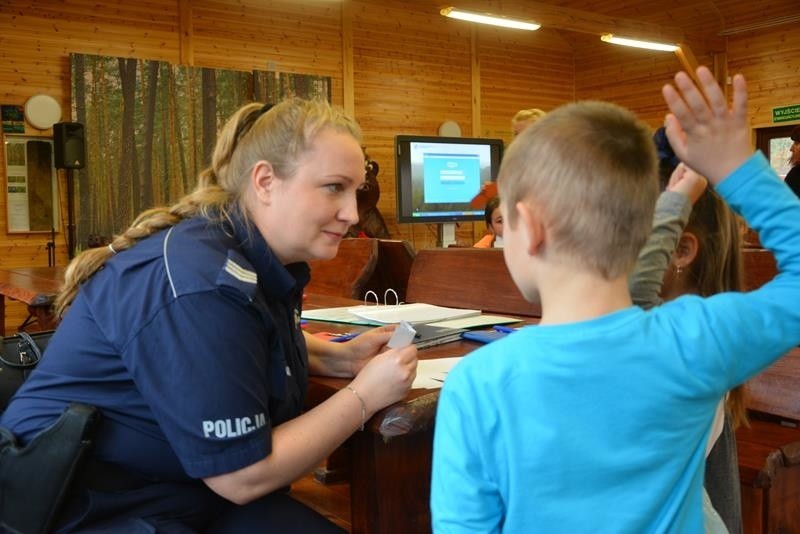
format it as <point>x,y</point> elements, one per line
<point>189,343</point>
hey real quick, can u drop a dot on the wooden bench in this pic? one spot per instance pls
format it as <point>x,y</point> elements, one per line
<point>759,267</point>
<point>471,278</point>
<point>769,451</point>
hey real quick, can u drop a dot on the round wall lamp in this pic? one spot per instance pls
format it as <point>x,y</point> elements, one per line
<point>42,111</point>
<point>450,129</point>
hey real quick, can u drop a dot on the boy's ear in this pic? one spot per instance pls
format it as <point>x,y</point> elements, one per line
<point>263,180</point>
<point>532,227</point>
<point>687,250</point>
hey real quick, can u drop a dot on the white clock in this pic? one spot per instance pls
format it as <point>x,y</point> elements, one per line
<point>42,111</point>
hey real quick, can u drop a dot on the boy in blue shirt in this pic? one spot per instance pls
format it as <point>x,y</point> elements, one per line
<point>597,419</point>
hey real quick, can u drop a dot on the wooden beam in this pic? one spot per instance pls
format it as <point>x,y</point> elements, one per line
<point>687,59</point>
<point>186,33</point>
<point>348,70</point>
<point>476,82</point>
<point>690,64</point>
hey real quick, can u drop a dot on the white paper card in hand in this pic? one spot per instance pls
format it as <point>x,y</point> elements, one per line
<point>402,336</point>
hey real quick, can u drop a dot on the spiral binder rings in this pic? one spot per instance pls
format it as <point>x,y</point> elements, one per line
<point>377,314</point>
<point>373,313</point>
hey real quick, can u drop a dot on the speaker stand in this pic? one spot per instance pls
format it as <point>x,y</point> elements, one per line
<point>70,215</point>
<point>447,234</point>
<point>51,249</point>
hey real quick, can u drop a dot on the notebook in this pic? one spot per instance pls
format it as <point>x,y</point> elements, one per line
<point>430,336</point>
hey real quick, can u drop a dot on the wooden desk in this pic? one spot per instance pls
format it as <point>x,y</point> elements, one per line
<point>391,459</point>
<point>36,287</point>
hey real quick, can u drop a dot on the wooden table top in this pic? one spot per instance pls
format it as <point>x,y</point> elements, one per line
<point>35,286</point>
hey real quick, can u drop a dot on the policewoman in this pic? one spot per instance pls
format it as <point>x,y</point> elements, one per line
<point>185,333</point>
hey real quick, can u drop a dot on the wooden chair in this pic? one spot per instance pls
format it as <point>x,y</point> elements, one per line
<point>345,275</point>
<point>467,278</point>
<point>769,451</point>
<point>759,267</point>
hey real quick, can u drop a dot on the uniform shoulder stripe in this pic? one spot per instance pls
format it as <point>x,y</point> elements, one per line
<point>240,273</point>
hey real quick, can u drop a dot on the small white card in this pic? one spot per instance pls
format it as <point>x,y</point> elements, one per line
<point>402,336</point>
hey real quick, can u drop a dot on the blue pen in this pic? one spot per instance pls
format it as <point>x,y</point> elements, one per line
<point>345,337</point>
<point>503,329</point>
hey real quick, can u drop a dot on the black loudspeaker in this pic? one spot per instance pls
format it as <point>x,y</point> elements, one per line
<point>69,147</point>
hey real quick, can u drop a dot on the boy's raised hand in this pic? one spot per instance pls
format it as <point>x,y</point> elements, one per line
<point>704,133</point>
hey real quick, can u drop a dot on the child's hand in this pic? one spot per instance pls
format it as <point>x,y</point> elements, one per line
<point>704,133</point>
<point>687,182</point>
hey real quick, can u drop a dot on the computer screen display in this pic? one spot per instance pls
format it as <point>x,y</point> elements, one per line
<point>438,177</point>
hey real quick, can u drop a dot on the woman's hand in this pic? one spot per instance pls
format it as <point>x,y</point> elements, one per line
<point>387,377</point>
<point>348,358</point>
<point>362,348</point>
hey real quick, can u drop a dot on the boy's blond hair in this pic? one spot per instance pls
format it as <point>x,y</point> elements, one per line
<point>590,170</point>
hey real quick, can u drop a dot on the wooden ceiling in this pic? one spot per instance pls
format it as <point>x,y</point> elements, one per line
<point>703,24</point>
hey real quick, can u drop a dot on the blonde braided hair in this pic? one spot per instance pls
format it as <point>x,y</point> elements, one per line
<point>279,134</point>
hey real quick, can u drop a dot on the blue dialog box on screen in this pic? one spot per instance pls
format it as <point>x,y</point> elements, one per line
<point>451,178</point>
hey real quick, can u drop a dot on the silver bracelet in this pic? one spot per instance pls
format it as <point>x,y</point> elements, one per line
<point>363,407</point>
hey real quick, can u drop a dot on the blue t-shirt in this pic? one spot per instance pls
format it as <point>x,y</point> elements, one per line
<point>601,426</point>
<point>190,345</point>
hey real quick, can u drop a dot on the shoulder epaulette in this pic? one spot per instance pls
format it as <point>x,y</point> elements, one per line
<point>238,274</point>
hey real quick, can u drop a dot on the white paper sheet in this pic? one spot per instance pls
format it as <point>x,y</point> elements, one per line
<point>417,312</point>
<point>431,374</point>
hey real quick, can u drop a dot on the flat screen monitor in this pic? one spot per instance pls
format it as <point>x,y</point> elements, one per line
<point>437,177</point>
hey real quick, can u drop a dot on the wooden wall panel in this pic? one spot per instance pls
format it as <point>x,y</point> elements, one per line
<point>521,70</point>
<point>36,38</point>
<point>770,61</point>
<point>283,36</point>
<point>629,77</point>
<point>412,72</point>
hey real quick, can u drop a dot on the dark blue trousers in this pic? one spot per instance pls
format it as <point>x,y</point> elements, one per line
<point>175,508</point>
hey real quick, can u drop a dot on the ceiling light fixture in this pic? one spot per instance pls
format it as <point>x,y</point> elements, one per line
<point>610,38</point>
<point>486,18</point>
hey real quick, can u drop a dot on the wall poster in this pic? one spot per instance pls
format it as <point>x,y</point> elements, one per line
<point>31,184</point>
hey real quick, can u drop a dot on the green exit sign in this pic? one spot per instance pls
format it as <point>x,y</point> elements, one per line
<point>786,113</point>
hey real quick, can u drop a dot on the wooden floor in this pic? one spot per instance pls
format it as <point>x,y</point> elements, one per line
<point>331,500</point>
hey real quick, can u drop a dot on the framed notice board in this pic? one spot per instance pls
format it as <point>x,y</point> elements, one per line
<point>31,184</point>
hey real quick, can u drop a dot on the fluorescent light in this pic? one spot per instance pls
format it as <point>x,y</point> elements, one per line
<point>486,18</point>
<point>609,38</point>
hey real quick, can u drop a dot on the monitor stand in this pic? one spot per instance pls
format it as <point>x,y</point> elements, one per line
<point>447,234</point>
